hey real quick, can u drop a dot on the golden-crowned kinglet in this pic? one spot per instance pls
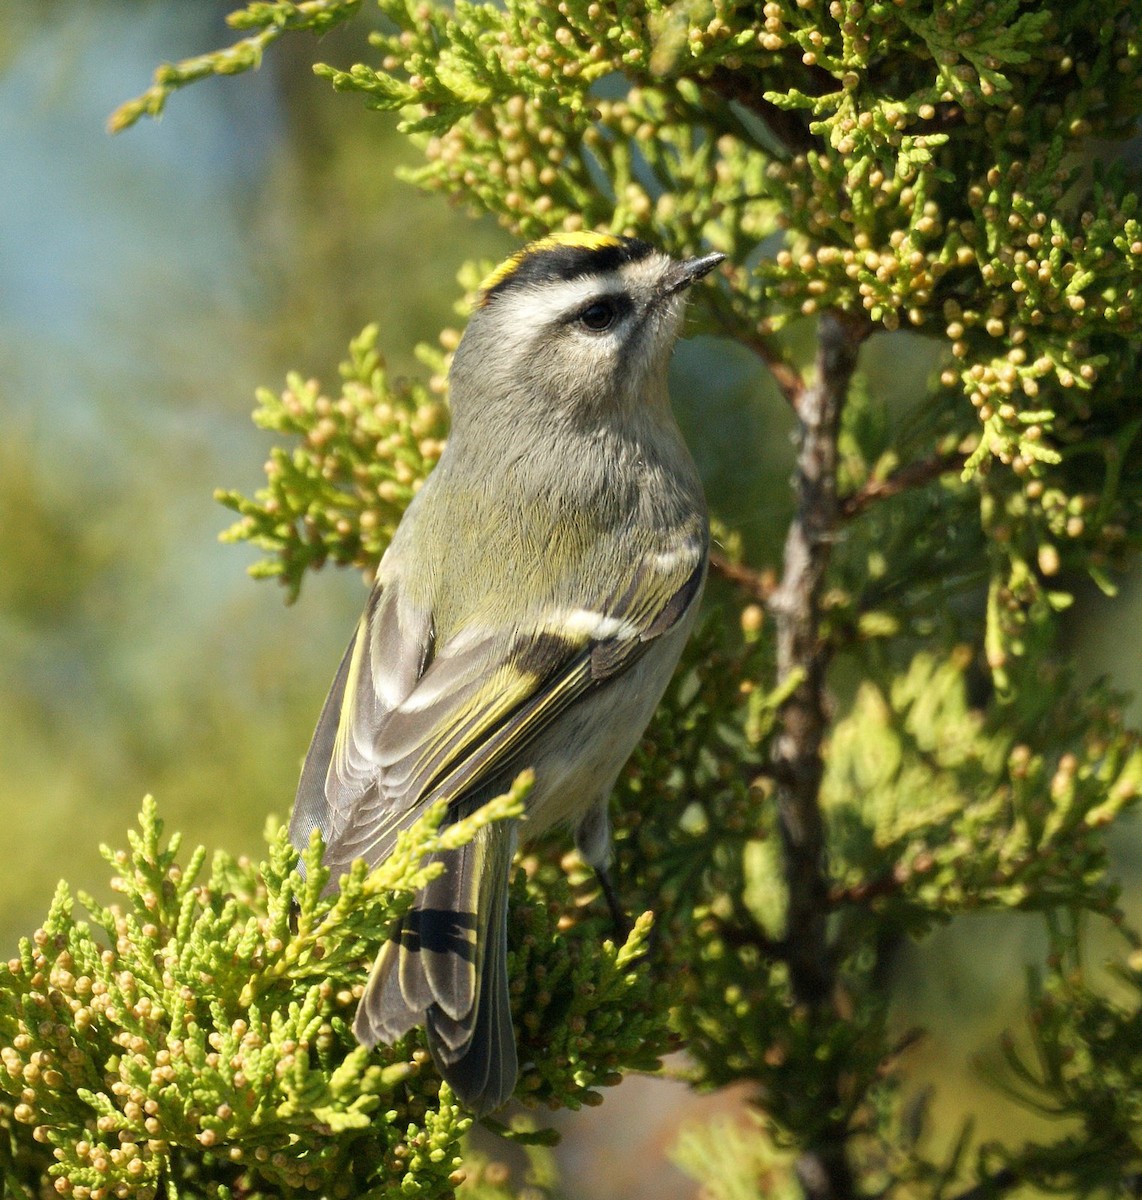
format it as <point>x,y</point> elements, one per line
<point>528,612</point>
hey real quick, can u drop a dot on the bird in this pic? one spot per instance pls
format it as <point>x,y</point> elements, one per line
<point>528,612</point>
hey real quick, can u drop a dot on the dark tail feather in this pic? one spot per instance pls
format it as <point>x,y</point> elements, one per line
<point>447,968</point>
<point>476,1052</point>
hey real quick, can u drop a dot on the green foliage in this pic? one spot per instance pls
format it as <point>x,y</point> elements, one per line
<point>271,18</point>
<point>935,809</point>
<point>759,1170</point>
<point>930,168</point>
<point>947,169</point>
<point>1084,1064</point>
<point>493,1179</point>
<point>194,1037</point>
<point>340,494</point>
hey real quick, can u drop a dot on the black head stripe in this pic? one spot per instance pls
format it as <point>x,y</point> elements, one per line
<point>563,262</point>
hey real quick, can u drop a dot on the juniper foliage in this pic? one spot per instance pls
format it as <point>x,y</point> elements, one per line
<point>954,169</point>
<point>194,1040</point>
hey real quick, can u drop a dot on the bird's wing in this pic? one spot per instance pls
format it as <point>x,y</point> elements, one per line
<point>385,658</point>
<point>476,704</point>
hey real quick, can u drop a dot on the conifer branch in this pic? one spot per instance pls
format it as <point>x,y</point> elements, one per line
<point>758,585</point>
<point>796,609</point>
<point>270,19</point>
<point>911,475</point>
<point>910,168</point>
<point>798,765</point>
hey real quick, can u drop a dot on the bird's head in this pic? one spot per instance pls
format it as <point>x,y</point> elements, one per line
<point>580,324</point>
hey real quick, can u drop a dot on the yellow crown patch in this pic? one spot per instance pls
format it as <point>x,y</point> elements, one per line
<point>583,240</point>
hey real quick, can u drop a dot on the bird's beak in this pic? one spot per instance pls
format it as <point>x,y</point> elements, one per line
<point>682,275</point>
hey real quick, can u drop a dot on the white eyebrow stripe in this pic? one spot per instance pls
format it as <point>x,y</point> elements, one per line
<point>546,302</point>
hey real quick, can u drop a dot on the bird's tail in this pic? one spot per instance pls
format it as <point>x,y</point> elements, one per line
<point>446,968</point>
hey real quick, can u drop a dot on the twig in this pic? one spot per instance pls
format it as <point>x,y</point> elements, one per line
<point>785,375</point>
<point>243,55</point>
<point>823,1169</point>
<point>759,585</point>
<point>911,475</point>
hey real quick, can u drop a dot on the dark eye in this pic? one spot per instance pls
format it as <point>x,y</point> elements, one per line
<point>598,315</point>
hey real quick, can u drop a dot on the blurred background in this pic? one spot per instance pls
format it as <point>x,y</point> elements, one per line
<point>148,283</point>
